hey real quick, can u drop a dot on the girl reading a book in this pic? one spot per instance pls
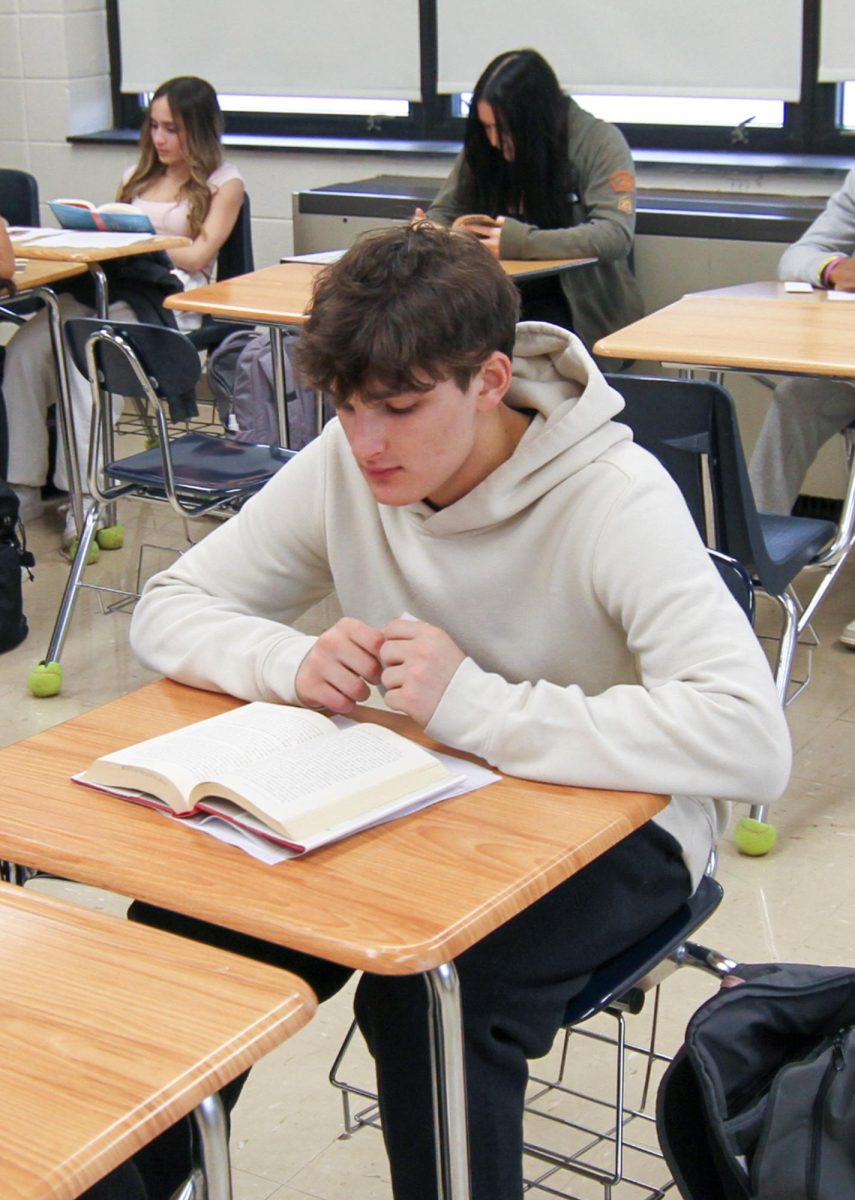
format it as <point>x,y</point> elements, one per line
<point>560,184</point>
<point>185,187</point>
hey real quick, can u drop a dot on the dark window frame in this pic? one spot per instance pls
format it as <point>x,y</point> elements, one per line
<point>812,126</point>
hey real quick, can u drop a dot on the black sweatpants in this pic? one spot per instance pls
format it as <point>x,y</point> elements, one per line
<point>515,985</point>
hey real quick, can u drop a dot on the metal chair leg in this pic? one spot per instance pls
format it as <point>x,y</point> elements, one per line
<point>69,596</point>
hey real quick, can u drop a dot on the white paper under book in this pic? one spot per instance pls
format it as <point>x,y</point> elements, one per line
<point>285,774</point>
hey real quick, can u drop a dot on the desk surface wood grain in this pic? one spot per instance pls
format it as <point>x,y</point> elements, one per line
<point>749,327</point>
<point>398,899</point>
<point>42,273</point>
<point>280,295</point>
<point>96,254</point>
<point>110,1032</point>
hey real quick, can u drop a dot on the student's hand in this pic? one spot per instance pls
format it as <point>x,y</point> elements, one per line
<point>489,235</point>
<point>842,277</point>
<point>418,663</point>
<point>336,672</point>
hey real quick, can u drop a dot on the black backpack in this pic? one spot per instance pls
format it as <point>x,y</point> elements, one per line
<point>759,1102</point>
<point>14,555</point>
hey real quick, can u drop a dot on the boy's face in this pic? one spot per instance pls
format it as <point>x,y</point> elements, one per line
<point>419,445</point>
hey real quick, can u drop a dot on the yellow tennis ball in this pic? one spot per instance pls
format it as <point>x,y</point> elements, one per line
<point>754,837</point>
<point>112,537</point>
<point>93,555</point>
<point>45,679</point>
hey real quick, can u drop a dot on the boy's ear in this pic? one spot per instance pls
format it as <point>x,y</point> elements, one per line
<point>495,379</point>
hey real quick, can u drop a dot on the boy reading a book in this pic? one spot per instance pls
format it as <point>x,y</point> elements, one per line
<point>568,627</point>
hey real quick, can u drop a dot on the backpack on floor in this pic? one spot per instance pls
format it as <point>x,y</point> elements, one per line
<point>14,557</point>
<point>759,1102</point>
<point>240,376</point>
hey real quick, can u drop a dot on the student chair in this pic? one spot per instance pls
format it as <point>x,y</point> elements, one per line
<point>235,258</point>
<point>618,989</point>
<point>195,473</point>
<point>19,205</point>
<point>691,427</point>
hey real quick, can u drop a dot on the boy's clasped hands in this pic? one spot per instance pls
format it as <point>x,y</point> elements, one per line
<point>413,661</point>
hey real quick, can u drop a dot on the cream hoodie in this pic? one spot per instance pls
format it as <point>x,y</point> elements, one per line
<point>603,649</point>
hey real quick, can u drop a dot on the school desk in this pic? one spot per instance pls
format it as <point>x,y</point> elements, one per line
<point>88,258</point>
<point>110,1032</point>
<point>403,898</point>
<point>35,280</point>
<point>750,327</point>
<point>279,296</point>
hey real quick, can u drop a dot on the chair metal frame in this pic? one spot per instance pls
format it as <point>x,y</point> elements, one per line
<point>196,474</point>
<point>690,425</point>
<point>619,989</point>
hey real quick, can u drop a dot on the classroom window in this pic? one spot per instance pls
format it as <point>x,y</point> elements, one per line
<point>803,108</point>
<point>847,106</point>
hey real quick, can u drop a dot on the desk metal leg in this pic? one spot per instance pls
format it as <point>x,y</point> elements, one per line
<point>211,1125</point>
<point>65,416</point>
<point>451,1132</point>
<point>277,346</point>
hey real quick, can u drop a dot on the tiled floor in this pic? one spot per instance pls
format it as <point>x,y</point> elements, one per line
<point>797,903</point>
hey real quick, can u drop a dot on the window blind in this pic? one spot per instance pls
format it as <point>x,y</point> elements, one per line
<point>836,41</point>
<point>634,47</point>
<point>340,48</point>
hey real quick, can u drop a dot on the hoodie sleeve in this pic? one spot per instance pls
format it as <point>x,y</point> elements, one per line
<point>831,234</point>
<point>702,717</point>
<point>221,617</point>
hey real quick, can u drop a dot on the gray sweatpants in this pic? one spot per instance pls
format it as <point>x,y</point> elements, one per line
<point>803,415</point>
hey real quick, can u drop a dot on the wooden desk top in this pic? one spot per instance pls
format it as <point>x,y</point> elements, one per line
<point>519,268</point>
<point>110,1031</point>
<point>280,295</point>
<point>96,254</point>
<point>44,273</point>
<point>277,295</point>
<point>399,899</point>
<point>750,327</point>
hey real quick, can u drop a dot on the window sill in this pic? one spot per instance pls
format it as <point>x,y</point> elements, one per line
<point>688,160</point>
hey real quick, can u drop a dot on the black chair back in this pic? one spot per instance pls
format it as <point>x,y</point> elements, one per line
<point>165,355</point>
<point>691,427</point>
<point>19,197</point>
<point>738,582</point>
<point>236,257</point>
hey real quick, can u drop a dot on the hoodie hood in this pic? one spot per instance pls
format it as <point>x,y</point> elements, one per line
<point>554,377</point>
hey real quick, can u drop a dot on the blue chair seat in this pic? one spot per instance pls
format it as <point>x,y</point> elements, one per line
<point>203,464</point>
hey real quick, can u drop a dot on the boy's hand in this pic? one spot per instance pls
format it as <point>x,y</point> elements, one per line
<point>336,672</point>
<point>418,663</point>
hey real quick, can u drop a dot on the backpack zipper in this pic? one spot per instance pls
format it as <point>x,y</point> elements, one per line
<point>835,1066</point>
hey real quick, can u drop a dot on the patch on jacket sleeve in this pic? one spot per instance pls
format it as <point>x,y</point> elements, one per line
<point>622,181</point>
<point>625,204</point>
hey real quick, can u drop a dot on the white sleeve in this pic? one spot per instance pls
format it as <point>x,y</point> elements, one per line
<point>702,718</point>
<point>832,233</point>
<point>220,617</point>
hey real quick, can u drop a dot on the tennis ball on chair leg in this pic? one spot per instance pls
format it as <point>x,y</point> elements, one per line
<point>111,537</point>
<point>45,679</point>
<point>754,837</point>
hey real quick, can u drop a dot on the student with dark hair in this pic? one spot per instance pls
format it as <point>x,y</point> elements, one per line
<point>560,183</point>
<point>185,187</point>
<point>569,627</point>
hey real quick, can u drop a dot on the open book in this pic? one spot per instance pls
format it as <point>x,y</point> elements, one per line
<point>114,217</point>
<point>287,774</point>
